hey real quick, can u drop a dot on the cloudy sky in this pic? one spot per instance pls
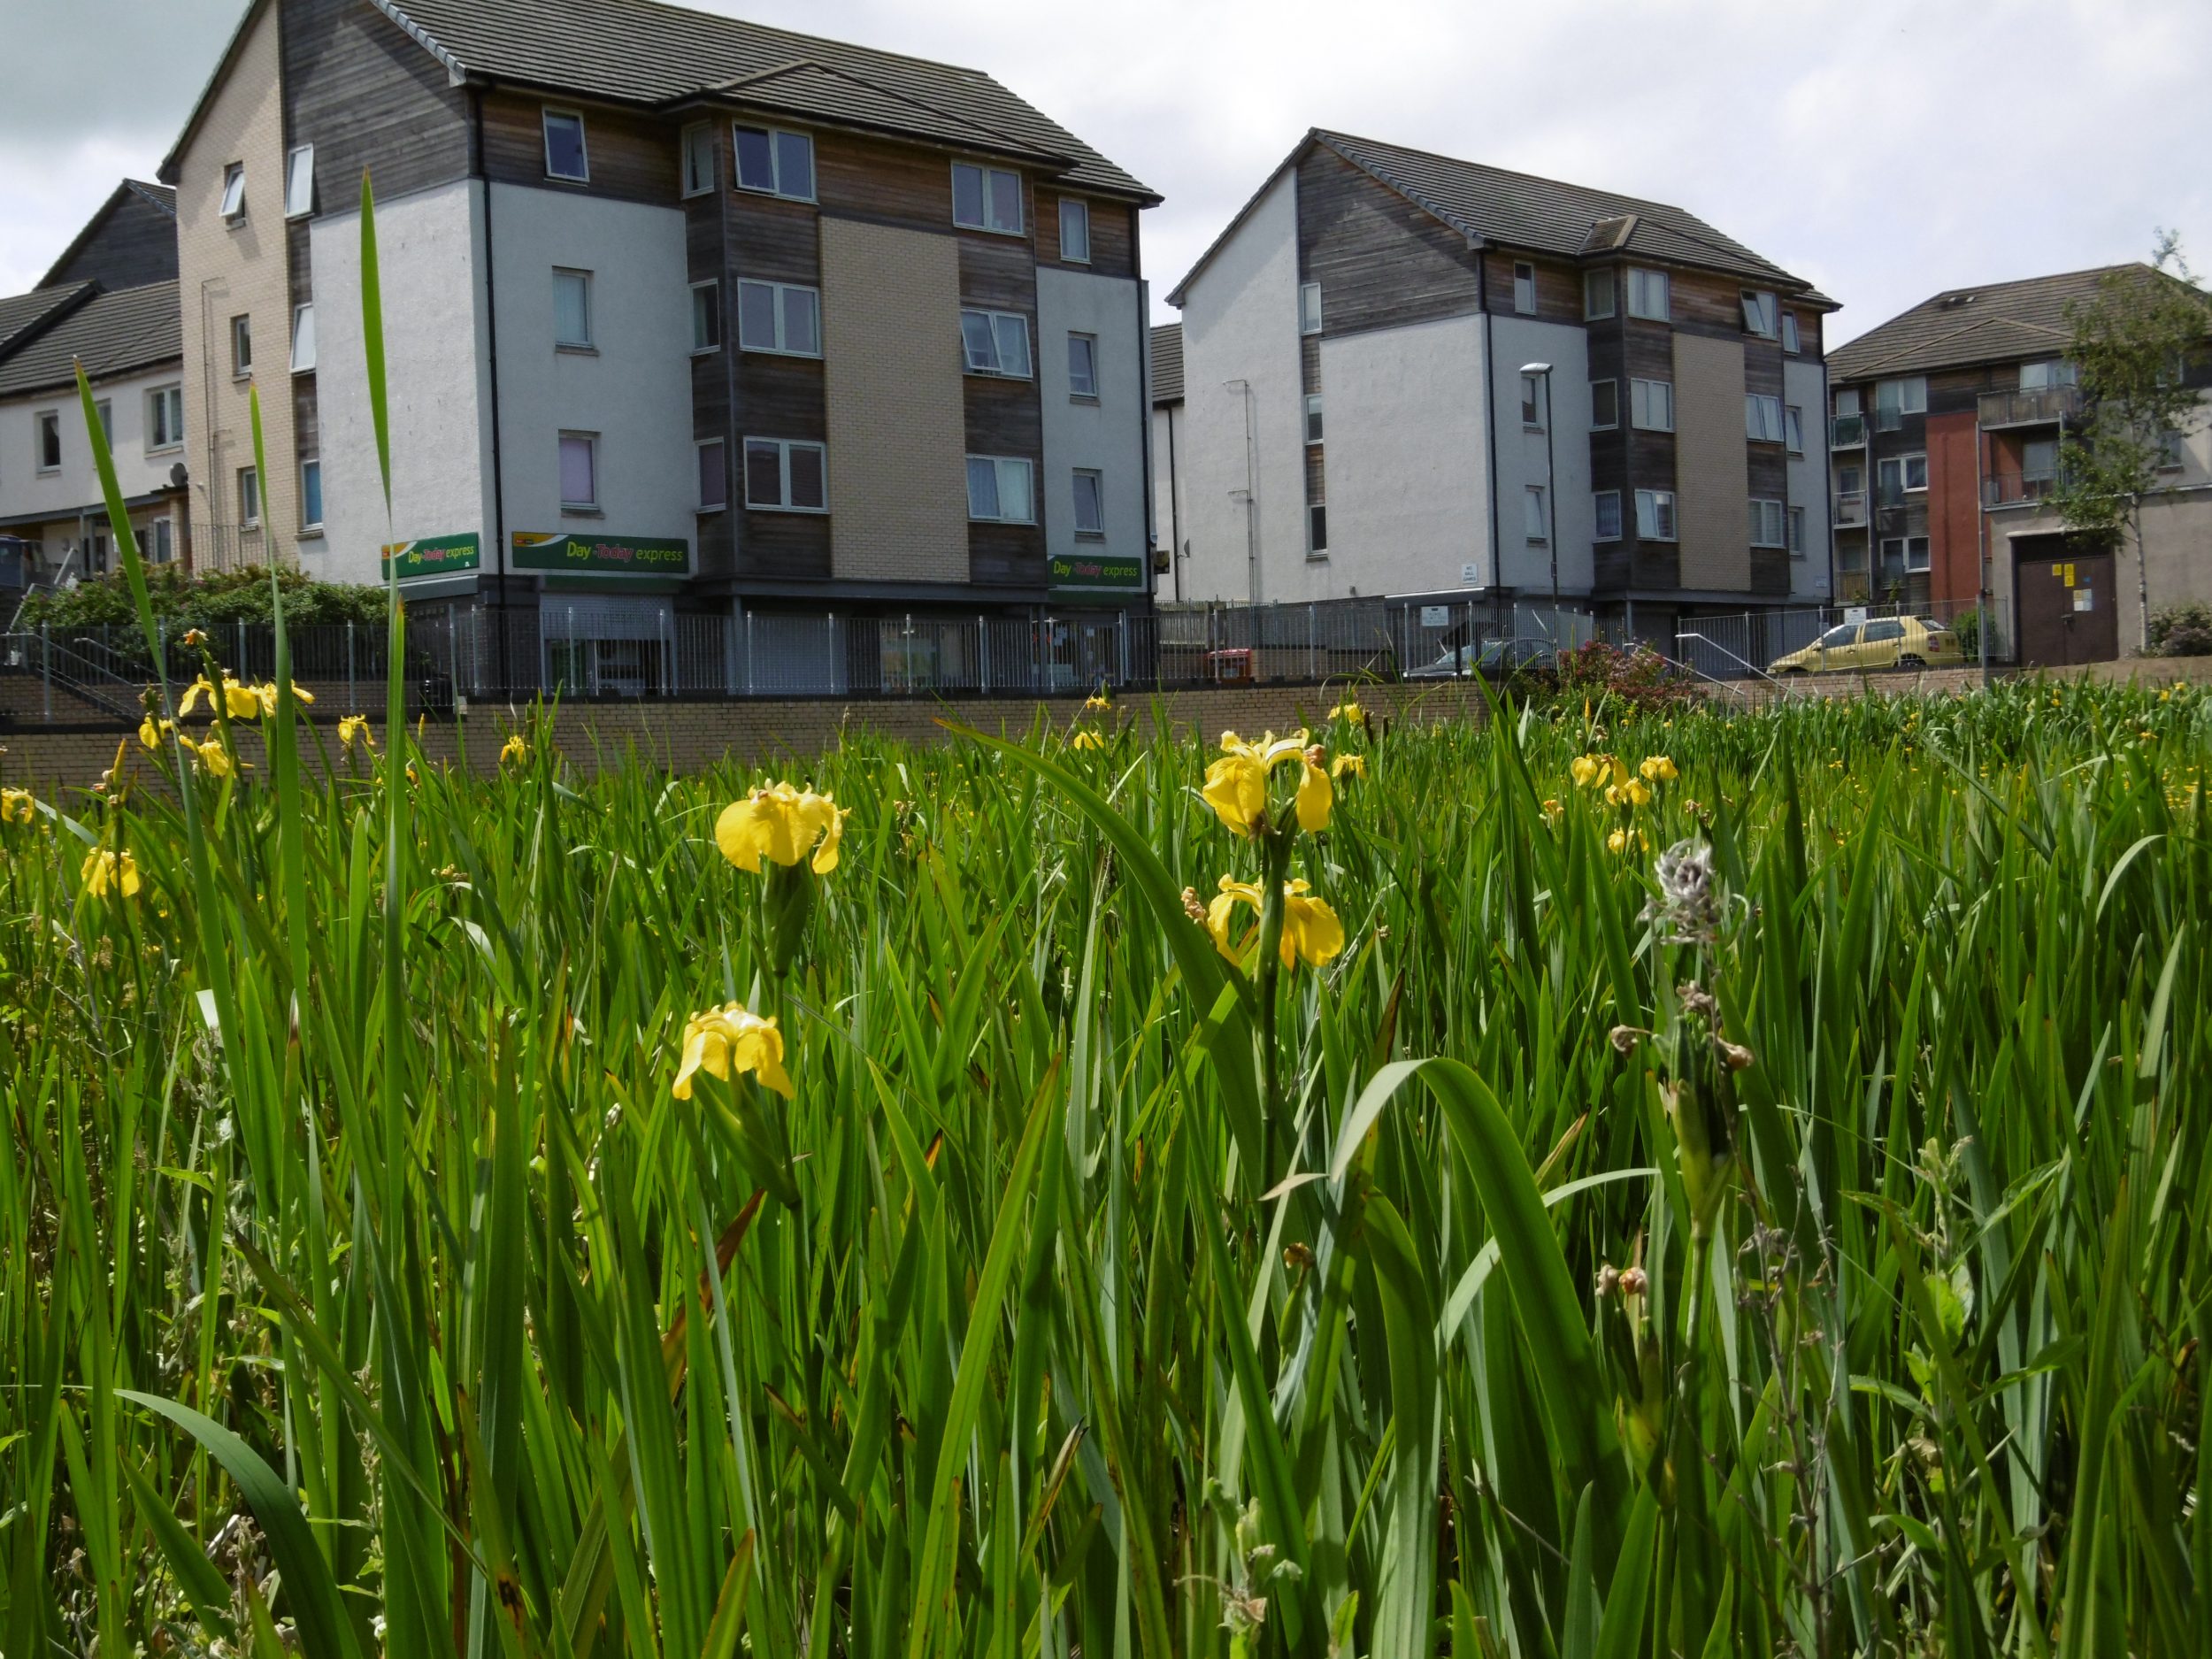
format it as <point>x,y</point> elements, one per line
<point>1882,149</point>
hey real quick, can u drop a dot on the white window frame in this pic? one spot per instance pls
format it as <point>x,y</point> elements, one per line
<point>312,526</point>
<point>162,534</point>
<point>2173,454</point>
<point>234,198</point>
<point>1911,488</point>
<point>1763,418</point>
<point>1090,533</point>
<point>1641,281</point>
<point>1768,525</point>
<point>775,135</point>
<point>1317,529</point>
<point>695,181</point>
<point>105,410</point>
<point>303,338</point>
<point>984,176</point>
<point>1523,289</point>
<point>777,291</point>
<point>546,114</point>
<point>1848,402</point>
<point>1641,413</point>
<point>785,449</point>
<point>1918,563</point>
<point>241,346</point>
<point>1605,426</point>
<point>299,182</point>
<point>1083,216</point>
<point>1532,403</point>
<point>1658,502</point>
<point>165,419</point>
<point>1793,428</point>
<point>712,290</point>
<point>1590,289</point>
<point>248,483</point>
<point>1794,531</point>
<point>997,320</point>
<point>1599,499</point>
<point>2050,374</point>
<point>591,441</point>
<point>46,421</point>
<point>1309,308</point>
<point>998,464</point>
<point>590,333</point>
<point>1762,313</point>
<point>699,448</point>
<point>1911,399</point>
<point>1315,423</point>
<point>1087,394</point>
<point>1793,338</point>
<point>1536,514</point>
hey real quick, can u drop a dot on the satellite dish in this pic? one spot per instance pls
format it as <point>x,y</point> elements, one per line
<point>177,476</point>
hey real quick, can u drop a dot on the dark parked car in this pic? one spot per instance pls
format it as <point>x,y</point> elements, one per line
<point>1493,659</point>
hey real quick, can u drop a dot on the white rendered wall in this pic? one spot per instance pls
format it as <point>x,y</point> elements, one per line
<point>436,376</point>
<point>1241,324</point>
<point>1405,460</point>
<point>1107,433</point>
<point>1523,566</point>
<point>139,471</point>
<point>1805,386</point>
<point>1170,461</point>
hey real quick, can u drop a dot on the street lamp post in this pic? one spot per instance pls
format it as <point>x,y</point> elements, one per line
<point>1543,371</point>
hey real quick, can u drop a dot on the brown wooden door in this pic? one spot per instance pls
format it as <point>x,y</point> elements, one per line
<point>2069,613</point>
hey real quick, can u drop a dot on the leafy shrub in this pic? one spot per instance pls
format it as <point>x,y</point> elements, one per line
<point>2182,630</point>
<point>216,598</point>
<point>1638,675</point>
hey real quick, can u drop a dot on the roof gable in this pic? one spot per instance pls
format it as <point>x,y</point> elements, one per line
<point>22,316</point>
<point>112,334</point>
<point>129,241</point>
<point>1995,322</point>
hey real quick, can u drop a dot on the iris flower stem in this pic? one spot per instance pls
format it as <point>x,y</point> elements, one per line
<point>1275,866</point>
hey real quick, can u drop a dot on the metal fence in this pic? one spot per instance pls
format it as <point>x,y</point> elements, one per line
<point>1747,647</point>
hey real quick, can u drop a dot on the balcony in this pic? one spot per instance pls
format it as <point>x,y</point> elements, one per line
<point>2045,406</point>
<point>1850,509</point>
<point>1847,432</point>
<point>2018,490</point>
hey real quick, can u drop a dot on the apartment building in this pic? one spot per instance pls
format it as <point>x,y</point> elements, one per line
<point>1410,374</point>
<point>110,302</point>
<point>1946,429</point>
<point>681,313</point>
<point>1170,439</point>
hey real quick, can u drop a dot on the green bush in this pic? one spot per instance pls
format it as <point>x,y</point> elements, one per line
<point>2182,630</point>
<point>216,599</point>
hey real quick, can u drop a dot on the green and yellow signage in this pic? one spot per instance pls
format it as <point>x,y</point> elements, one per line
<point>433,555</point>
<point>1096,571</point>
<point>600,555</point>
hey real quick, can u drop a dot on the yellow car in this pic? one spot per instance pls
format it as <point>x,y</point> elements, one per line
<point>1883,642</point>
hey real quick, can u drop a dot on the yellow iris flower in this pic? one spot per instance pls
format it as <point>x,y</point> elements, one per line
<point>354,729</point>
<point>240,702</point>
<point>1236,784</point>
<point>1658,769</point>
<point>213,758</point>
<point>780,823</point>
<point>515,751</point>
<point>1349,709</point>
<point>104,872</point>
<point>1355,765</point>
<point>1620,841</point>
<point>1310,928</point>
<point>1086,739</point>
<point>153,733</point>
<point>16,806</point>
<point>1098,700</point>
<point>729,1039</point>
<point>1631,793</point>
<point>1586,770</point>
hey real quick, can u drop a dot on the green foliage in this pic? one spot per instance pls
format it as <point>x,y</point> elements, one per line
<point>217,599</point>
<point>1636,676</point>
<point>2182,630</point>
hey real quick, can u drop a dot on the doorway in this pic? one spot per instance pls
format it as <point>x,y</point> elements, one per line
<point>2068,612</point>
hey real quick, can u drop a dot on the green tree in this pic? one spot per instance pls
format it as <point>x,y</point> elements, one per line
<point>2135,344</point>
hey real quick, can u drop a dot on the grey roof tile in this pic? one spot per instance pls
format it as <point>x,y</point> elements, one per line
<point>131,328</point>
<point>1167,363</point>
<point>1995,323</point>
<point>24,312</point>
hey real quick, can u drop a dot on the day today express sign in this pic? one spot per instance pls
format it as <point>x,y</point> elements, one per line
<point>600,555</point>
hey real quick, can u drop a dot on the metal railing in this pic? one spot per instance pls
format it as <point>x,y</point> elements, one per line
<point>1847,432</point>
<point>1850,509</point>
<point>2015,489</point>
<point>2038,406</point>
<point>1748,646</point>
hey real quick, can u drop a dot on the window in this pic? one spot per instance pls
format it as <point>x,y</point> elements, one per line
<point>1847,402</point>
<point>249,497</point>
<point>303,338</point>
<point>1654,515</point>
<point>773,162</point>
<point>2170,451</point>
<point>105,410</point>
<point>784,475</point>
<point>162,534</point>
<point>1767,526</point>
<point>235,191</point>
<point>1090,502</point>
<point>1895,474</point>
<point>49,440</point>
<point>987,198</point>
<point>1532,401</point>
<point>1524,288</point>
<point>310,493</point>
<point>1915,471</point>
<point>1759,314</point>
<point>564,156</point>
<point>996,342</point>
<point>241,346</point>
<point>1888,629</point>
<point>2038,458</point>
<point>2048,374</point>
<point>1309,308</point>
<point>1317,529</point>
<point>698,159</point>
<point>1605,406</point>
<point>299,182</point>
<point>1313,418</point>
<point>164,417</point>
<point>1893,400</point>
<point>1763,418</point>
<point>1793,429</point>
<point>96,552</point>
<point>998,490</point>
<point>1651,404</point>
<point>1606,507</point>
<point>1597,294</point>
<point>714,475</point>
<point>1789,341</point>
<point>780,317</point>
<point>1075,231</point>
<point>1903,555</point>
<point>1797,532</point>
<point>1535,520</point>
<point>579,471</point>
<point>571,310</point>
<point>706,317</point>
<point>1647,294</point>
<point>1083,365</point>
